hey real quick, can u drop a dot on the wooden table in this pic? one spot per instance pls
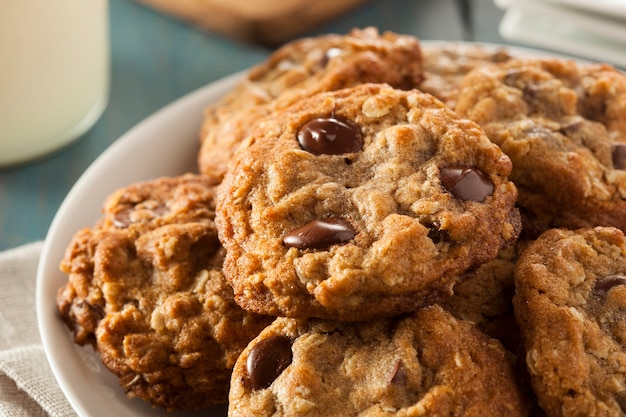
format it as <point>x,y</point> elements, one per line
<point>156,59</point>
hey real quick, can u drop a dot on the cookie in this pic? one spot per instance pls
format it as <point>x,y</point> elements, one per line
<point>484,297</point>
<point>446,63</point>
<point>428,363</point>
<point>298,70</point>
<point>562,124</point>
<point>570,304</point>
<point>145,288</point>
<point>361,203</point>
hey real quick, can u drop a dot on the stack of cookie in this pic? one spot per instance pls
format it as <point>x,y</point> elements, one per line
<point>378,228</point>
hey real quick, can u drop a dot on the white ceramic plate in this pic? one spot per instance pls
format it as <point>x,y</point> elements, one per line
<point>165,144</point>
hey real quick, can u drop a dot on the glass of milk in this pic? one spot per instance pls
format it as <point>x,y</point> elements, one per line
<point>54,74</point>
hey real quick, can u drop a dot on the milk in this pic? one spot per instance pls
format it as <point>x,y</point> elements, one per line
<point>54,73</point>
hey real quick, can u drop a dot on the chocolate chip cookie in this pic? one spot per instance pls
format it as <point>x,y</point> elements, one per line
<point>570,304</point>
<point>145,287</point>
<point>562,124</point>
<point>446,63</point>
<point>484,298</point>
<point>298,70</point>
<point>361,203</point>
<point>428,363</point>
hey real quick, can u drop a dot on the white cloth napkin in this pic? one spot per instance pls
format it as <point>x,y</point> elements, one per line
<point>27,386</point>
<point>596,31</point>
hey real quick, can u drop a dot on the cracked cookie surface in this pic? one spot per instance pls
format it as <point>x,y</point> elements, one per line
<point>145,288</point>
<point>361,203</point>
<point>570,304</point>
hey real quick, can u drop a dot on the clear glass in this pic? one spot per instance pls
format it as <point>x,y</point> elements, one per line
<point>54,74</point>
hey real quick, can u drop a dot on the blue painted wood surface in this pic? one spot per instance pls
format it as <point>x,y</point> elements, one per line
<point>157,59</point>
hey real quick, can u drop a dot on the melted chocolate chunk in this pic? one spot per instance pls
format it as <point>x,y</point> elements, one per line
<point>466,183</point>
<point>619,156</point>
<point>320,234</point>
<point>512,78</point>
<point>267,360</point>
<point>571,129</point>
<point>398,373</point>
<point>330,136</point>
<point>607,283</point>
<point>435,233</point>
<point>121,219</point>
<point>438,235</point>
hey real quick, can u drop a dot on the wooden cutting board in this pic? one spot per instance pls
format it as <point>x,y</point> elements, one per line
<point>267,22</point>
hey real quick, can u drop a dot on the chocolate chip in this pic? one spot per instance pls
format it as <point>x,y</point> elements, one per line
<point>121,219</point>
<point>320,234</point>
<point>435,233</point>
<point>438,235</point>
<point>466,183</point>
<point>398,373</point>
<point>330,136</point>
<point>512,77</point>
<point>530,92</point>
<point>618,152</point>
<point>607,283</point>
<point>572,128</point>
<point>267,360</point>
